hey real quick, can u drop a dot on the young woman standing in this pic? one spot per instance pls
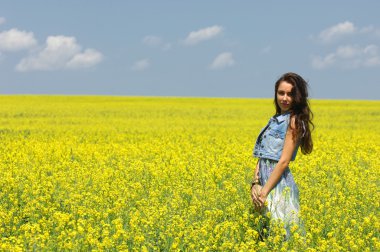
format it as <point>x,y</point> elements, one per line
<point>277,145</point>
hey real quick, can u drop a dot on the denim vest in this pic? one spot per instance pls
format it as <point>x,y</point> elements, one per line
<point>270,142</point>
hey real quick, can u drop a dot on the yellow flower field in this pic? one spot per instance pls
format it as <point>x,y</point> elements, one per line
<point>172,174</point>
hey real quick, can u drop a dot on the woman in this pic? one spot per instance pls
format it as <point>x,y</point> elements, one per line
<point>277,145</point>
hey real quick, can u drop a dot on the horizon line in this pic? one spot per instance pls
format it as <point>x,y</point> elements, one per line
<point>179,96</point>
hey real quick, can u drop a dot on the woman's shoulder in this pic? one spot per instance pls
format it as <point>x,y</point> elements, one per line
<point>296,129</point>
<point>292,120</point>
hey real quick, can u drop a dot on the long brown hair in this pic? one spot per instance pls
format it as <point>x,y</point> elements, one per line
<point>300,109</point>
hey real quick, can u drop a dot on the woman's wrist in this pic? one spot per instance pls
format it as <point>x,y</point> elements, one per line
<point>264,192</point>
<point>254,182</point>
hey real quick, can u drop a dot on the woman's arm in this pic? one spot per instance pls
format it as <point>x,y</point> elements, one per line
<point>287,152</point>
<point>256,174</point>
<point>255,188</point>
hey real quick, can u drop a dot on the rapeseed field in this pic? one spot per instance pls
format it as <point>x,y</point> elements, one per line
<point>102,173</point>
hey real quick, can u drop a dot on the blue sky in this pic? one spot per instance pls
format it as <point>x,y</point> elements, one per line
<point>189,48</point>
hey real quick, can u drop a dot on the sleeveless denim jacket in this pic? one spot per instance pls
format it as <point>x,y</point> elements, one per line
<point>270,142</point>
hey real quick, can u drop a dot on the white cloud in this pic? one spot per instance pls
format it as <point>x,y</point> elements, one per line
<point>319,62</point>
<point>345,29</point>
<point>207,33</point>
<point>2,20</point>
<point>15,40</point>
<point>141,65</point>
<point>337,31</point>
<point>349,56</point>
<point>152,41</point>
<point>59,52</point>
<point>348,51</point>
<point>223,60</point>
<point>88,58</point>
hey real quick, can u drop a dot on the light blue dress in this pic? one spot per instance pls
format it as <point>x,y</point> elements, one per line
<point>283,200</point>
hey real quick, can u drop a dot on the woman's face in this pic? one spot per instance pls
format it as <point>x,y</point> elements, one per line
<point>284,96</point>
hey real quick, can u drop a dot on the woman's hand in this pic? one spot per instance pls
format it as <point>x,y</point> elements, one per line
<point>255,195</point>
<point>262,198</point>
<point>258,197</point>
